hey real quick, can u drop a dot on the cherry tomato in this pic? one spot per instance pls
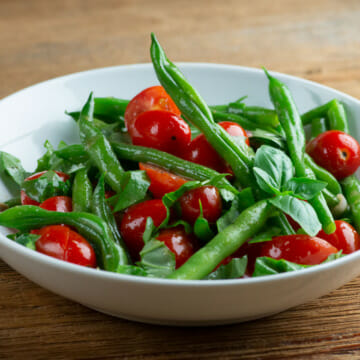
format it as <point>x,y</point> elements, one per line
<point>133,223</point>
<point>201,152</point>
<point>60,242</point>
<point>344,238</point>
<point>27,200</point>
<point>152,98</point>
<point>300,249</point>
<point>336,151</point>
<point>57,203</point>
<point>161,130</point>
<point>179,242</point>
<point>210,202</point>
<point>162,182</point>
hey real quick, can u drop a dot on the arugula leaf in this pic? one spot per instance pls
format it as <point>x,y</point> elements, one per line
<point>25,239</point>
<point>276,164</point>
<point>131,270</point>
<point>156,259</point>
<point>301,211</point>
<point>134,188</point>
<point>241,202</point>
<point>265,181</point>
<point>266,235</point>
<point>202,228</point>
<point>268,266</point>
<point>233,270</point>
<point>11,171</point>
<point>305,188</point>
<point>46,186</point>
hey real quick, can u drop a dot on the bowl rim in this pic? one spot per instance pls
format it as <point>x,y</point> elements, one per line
<point>66,266</point>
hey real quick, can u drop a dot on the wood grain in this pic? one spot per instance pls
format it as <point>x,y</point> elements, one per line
<point>318,40</point>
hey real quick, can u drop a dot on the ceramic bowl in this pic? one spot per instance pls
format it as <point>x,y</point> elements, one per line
<point>33,115</point>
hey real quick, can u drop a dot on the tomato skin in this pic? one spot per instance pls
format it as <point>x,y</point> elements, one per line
<point>179,242</point>
<point>344,238</point>
<point>133,223</point>
<point>57,203</point>
<point>300,249</point>
<point>162,181</point>
<point>335,151</point>
<point>152,98</point>
<point>201,152</point>
<point>60,242</point>
<point>210,200</point>
<point>27,200</point>
<point>161,130</point>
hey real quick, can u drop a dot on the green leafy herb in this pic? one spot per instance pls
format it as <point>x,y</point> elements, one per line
<point>47,185</point>
<point>332,257</point>
<point>233,270</point>
<point>261,137</point>
<point>131,270</point>
<point>266,235</point>
<point>268,266</point>
<point>25,239</point>
<point>11,171</point>
<point>266,182</point>
<point>202,228</point>
<point>149,230</point>
<point>305,188</point>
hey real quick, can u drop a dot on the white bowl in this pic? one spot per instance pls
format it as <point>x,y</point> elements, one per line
<point>35,114</point>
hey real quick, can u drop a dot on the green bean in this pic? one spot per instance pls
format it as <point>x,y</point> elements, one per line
<point>318,126</point>
<point>225,243</point>
<point>223,108</point>
<point>100,208</point>
<point>94,229</point>
<point>110,107</point>
<point>322,174</point>
<point>291,123</point>
<point>194,108</point>
<point>99,148</point>
<point>337,117</point>
<point>351,186</point>
<point>331,199</point>
<point>81,191</point>
<point>13,202</point>
<point>283,223</point>
<point>168,162</point>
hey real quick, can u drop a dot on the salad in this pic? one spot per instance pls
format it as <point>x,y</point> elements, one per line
<point>164,185</point>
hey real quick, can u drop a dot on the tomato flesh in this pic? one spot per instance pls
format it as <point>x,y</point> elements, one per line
<point>60,242</point>
<point>152,98</point>
<point>344,238</point>
<point>27,200</point>
<point>179,242</point>
<point>133,223</point>
<point>57,203</point>
<point>162,182</point>
<point>336,151</point>
<point>211,203</point>
<point>300,249</point>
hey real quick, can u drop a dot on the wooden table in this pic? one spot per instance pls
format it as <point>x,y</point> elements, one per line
<point>318,40</point>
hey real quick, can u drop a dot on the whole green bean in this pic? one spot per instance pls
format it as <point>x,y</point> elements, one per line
<point>323,175</point>
<point>225,243</point>
<point>291,123</point>
<point>81,191</point>
<point>318,126</point>
<point>194,108</point>
<point>94,229</point>
<point>337,117</point>
<point>110,107</point>
<point>99,148</point>
<point>351,186</point>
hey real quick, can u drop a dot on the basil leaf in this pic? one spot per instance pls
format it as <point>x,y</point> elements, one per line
<point>134,188</point>
<point>260,137</point>
<point>27,240</point>
<point>156,259</point>
<point>275,163</point>
<point>11,171</point>
<point>241,202</point>
<point>305,188</point>
<point>266,235</point>
<point>187,227</point>
<point>131,270</point>
<point>333,257</point>
<point>202,228</point>
<point>233,270</point>
<point>46,186</point>
<point>265,181</point>
<point>149,229</point>
<point>268,266</point>
<point>301,211</point>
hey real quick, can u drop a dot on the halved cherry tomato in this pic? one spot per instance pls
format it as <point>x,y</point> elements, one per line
<point>300,249</point>
<point>152,98</point>
<point>60,242</point>
<point>201,152</point>
<point>161,130</point>
<point>162,182</point>
<point>336,151</point>
<point>210,201</point>
<point>57,203</point>
<point>27,200</point>
<point>179,242</point>
<point>133,223</point>
<point>344,238</point>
